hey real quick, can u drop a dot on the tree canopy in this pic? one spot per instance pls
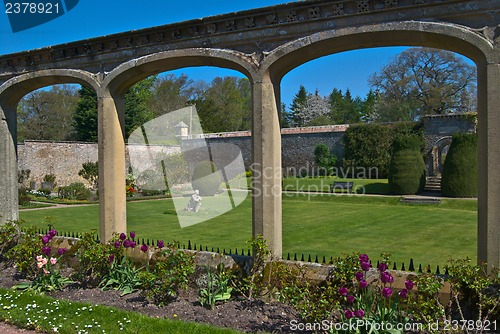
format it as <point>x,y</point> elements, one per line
<point>424,81</point>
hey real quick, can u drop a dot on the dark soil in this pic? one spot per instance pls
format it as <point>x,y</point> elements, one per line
<point>243,315</point>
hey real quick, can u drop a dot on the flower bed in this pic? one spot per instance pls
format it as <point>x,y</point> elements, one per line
<point>250,296</point>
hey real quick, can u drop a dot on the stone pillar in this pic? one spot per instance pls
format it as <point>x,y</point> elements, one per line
<point>266,149</point>
<point>488,241</point>
<point>111,144</point>
<point>8,163</point>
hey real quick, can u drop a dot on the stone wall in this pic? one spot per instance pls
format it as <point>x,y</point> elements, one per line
<point>65,159</point>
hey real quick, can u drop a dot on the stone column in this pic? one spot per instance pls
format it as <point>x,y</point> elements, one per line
<point>111,144</point>
<point>266,149</point>
<point>8,163</point>
<point>488,241</point>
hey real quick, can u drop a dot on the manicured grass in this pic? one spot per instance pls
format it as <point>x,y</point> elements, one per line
<point>39,312</point>
<point>316,224</point>
<point>322,184</point>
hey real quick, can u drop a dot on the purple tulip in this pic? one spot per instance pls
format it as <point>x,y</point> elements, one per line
<point>386,292</point>
<point>363,284</point>
<point>132,244</point>
<point>46,250</point>
<point>132,235</point>
<point>359,313</point>
<point>111,258</point>
<point>409,284</point>
<point>365,266</point>
<point>382,267</point>
<point>123,236</point>
<point>126,243</point>
<point>364,258</point>
<point>117,244</point>
<point>144,248</point>
<point>61,251</point>
<point>52,233</point>
<point>360,275</point>
<point>348,314</point>
<point>343,291</point>
<point>45,239</point>
<point>403,293</point>
<point>385,277</point>
<point>160,244</point>
<point>350,299</point>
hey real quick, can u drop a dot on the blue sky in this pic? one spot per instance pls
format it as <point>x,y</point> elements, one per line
<point>91,18</point>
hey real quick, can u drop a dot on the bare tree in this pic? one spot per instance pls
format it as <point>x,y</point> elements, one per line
<point>424,81</point>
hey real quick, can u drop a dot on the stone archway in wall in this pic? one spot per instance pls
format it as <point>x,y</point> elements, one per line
<point>438,155</point>
<point>111,134</point>
<point>435,35</point>
<point>11,92</point>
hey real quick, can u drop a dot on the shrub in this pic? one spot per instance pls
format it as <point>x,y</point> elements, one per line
<point>324,159</point>
<point>407,167</point>
<point>206,178</point>
<point>459,177</point>
<point>171,273</point>
<point>369,145</point>
<point>75,191</point>
<point>95,259</point>
<point>90,172</point>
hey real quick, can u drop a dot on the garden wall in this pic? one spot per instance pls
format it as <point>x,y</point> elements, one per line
<point>65,159</point>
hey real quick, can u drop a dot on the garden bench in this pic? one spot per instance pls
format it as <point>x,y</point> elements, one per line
<point>341,185</point>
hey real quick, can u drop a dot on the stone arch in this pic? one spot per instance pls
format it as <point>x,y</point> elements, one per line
<point>450,37</point>
<point>11,93</point>
<point>128,73</point>
<point>436,155</point>
<point>111,123</point>
<point>413,33</point>
<point>14,89</point>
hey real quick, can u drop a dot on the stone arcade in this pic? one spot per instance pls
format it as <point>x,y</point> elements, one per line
<point>263,44</point>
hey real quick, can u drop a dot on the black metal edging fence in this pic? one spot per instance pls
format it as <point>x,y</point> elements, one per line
<point>241,252</point>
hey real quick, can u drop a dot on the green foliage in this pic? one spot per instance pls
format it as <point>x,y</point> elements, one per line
<point>407,167</point>
<point>121,276</point>
<point>424,81</point>
<point>170,274</point>
<point>206,178</point>
<point>459,177</point>
<point>49,178</point>
<point>324,159</point>
<point>94,258</point>
<point>217,288</point>
<point>369,145</point>
<point>46,114</point>
<point>10,235</point>
<point>225,105</point>
<point>90,172</point>
<point>425,306</point>
<point>23,254</point>
<point>75,191</point>
<point>298,102</point>
<point>474,292</point>
<point>315,301</point>
<point>85,115</point>
<point>345,109</point>
<point>254,284</point>
<point>137,111</point>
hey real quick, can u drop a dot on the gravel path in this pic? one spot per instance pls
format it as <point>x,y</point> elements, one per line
<point>9,329</point>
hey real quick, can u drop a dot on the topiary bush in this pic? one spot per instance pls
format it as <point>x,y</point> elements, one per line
<point>407,167</point>
<point>206,178</point>
<point>459,178</point>
<point>75,191</point>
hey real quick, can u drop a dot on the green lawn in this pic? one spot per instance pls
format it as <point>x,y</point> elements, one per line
<point>28,310</point>
<point>323,225</point>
